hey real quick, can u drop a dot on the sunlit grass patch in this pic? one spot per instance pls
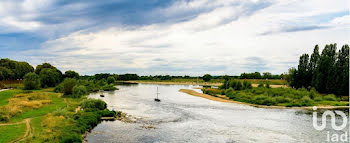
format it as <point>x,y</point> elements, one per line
<point>10,133</point>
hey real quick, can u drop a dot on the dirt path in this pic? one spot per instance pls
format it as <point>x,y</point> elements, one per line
<point>28,129</point>
<point>194,93</point>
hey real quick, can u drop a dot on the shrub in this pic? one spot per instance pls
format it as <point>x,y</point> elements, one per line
<point>109,87</point>
<point>110,80</point>
<point>212,91</point>
<point>306,101</point>
<point>78,91</point>
<point>70,137</point>
<point>330,97</point>
<point>68,85</point>
<point>31,81</point>
<point>107,113</point>
<point>261,85</point>
<point>59,89</point>
<point>93,104</point>
<point>267,85</point>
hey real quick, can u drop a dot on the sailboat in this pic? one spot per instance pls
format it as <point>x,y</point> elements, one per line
<point>156,99</point>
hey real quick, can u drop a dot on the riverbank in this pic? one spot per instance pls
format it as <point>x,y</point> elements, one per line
<point>221,99</point>
<point>193,83</point>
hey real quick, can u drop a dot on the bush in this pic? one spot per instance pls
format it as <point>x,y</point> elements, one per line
<point>261,85</point>
<point>110,80</point>
<point>68,85</point>
<point>330,97</point>
<point>93,104</point>
<point>212,91</point>
<point>267,85</point>
<point>69,137</point>
<point>31,81</point>
<point>306,101</point>
<point>86,120</point>
<point>78,91</point>
<point>109,87</point>
<point>107,113</point>
<point>59,89</point>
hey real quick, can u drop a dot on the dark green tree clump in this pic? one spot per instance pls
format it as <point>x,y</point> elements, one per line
<point>31,81</point>
<point>13,70</point>
<point>327,72</point>
<point>207,77</point>
<point>71,74</point>
<point>68,84</point>
<point>110,80</point>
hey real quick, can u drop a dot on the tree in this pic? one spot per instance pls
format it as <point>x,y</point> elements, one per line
<point>71,74</point>
<point>303,73</point>
<point>6,74</point>
<point>31,81</point>
<point>325,69</point>
<point>267,75</point>
<point>68,85</point>
<point>315,57</point>
<point>78,91</point>
<point>207,77</point>
<point>342,72</point>
<point>110,80</point>
<point>14,69</point>
<point>49,77</point>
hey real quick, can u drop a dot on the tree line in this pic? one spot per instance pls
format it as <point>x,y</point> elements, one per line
<point>327,72</point>
<point>13,70</point>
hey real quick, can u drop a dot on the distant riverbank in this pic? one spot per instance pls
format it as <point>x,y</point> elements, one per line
<point>192,83</point>
<point>222,99</point>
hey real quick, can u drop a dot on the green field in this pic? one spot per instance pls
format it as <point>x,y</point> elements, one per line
<point>11,132</point>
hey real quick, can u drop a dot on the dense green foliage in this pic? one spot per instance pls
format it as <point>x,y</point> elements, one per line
<point>207,77</point>
<point>110,80</point>
<point>257,75</point>
<point>71,74</point>
<point>236,84</point>
<point>31,81</point>
<point>13,70</point>
<point>281,97</point>
<point>93,104</point>
<point>79,91</point>
<point>68,85</point>
<point>327,73</point>
<point>49,77</point>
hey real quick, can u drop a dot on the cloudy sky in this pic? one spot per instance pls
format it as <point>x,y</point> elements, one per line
<point>178,37</point>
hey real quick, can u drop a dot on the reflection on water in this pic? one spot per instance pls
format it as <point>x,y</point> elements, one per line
<point>184,118</point>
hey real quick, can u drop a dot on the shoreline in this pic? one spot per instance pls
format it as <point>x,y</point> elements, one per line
<point>206,96</point>
<point>192,83</point>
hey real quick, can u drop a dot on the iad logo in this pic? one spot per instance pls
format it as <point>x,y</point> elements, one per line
<point>333,137</point>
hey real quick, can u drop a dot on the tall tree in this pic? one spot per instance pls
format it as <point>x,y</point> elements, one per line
<point>325,68</point>
<point>315,57</point>
<point>342,72</point>
<point>302,73</point>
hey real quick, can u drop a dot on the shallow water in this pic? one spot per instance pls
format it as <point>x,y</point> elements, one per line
<point>180,117</point>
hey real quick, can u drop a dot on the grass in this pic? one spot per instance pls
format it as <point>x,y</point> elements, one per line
<point>11,132</point>
<point>5,95</point>
<point>287,97</point>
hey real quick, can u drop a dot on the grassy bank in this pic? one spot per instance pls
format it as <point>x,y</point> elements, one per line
<point>46,116</point>
<point>286,97</point>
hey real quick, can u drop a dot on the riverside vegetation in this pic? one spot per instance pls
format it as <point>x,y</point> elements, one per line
<point>51,107</point>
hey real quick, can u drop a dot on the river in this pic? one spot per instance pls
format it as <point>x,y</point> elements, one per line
<point>180,117</point>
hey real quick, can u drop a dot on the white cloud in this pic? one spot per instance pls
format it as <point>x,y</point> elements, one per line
<point>221,41</point>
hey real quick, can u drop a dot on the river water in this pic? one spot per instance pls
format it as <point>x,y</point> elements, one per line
<point>180,117</point>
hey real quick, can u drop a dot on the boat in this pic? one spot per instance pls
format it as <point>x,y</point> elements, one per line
<point>157,99</point>
<point>102,95</point>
